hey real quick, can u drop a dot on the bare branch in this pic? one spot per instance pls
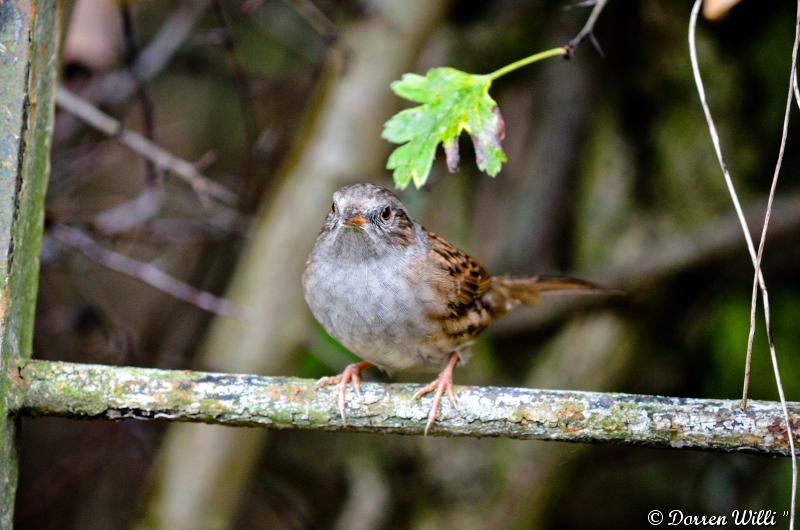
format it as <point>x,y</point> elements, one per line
<point>137,143</point>
<point>144,272</point>
<point>131,213</point>
<point>120,86</point>
<point>146,104</point>
<point>117,87</point>
<point>587,30</point>
<point>148,204</point>
<point>112,392</point>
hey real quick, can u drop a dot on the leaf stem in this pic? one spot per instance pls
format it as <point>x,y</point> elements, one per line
<point>553,52</point>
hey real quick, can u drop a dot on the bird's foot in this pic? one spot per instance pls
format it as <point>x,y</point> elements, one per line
<point>442,384</point>
<point>351,373</point>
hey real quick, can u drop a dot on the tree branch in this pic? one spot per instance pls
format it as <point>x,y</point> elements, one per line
<point>108,392</point>
<point>152,173</point>
<point>588,28</point>
<point>146,273</point>
<point>137,143</point>
<point>119,86</point>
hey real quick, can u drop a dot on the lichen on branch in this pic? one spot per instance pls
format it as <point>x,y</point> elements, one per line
<point>109,392</point>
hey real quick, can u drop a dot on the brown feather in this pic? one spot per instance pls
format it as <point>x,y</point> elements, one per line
<point>509,291</point>
<point>462,282</point>
<point>467,278</point>
<point>472,299</point>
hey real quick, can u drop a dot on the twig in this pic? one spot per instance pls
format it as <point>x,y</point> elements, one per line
<point>114,392</point>
<point>117,87</point>
<point>131,213</point>
<point>144,272</point>
<point>134,141</point>
<point>587,30</point>
<point>142,92</point>
<point>120,86</point>
<point>148,204</point>
<point>756,258</point>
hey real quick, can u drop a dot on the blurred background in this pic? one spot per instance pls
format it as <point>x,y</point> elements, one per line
<point>611,177</point>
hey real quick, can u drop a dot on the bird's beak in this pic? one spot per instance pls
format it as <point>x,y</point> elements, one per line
<point>356,221</point>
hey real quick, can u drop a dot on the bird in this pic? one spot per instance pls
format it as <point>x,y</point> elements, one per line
<point>401,297</point>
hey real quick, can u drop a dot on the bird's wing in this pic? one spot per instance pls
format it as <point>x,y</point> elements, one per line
<point>462,282</point>
<point>465,279</point>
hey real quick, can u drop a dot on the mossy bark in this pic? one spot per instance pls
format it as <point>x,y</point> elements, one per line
<point>28,41</point>
<point>110,392</point>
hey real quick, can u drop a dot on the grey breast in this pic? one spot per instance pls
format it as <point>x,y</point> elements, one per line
<point>371,307</point>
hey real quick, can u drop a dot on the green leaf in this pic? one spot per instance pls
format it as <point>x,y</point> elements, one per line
<point>452,101</point>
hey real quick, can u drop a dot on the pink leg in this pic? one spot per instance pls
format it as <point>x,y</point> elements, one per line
<point>442,384</point>
<point>351,373</point>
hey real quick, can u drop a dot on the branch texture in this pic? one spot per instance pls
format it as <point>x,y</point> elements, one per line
<point>107,392</point>
<point>29,36</point>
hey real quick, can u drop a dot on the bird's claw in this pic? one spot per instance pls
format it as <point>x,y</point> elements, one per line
<point>441,385</point>
<point>351,374</point>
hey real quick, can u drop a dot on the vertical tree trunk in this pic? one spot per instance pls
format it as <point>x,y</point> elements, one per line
<point>28,42</point>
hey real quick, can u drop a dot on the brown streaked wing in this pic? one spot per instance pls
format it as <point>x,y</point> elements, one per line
<point>462,284</point>
<point>468,279</point>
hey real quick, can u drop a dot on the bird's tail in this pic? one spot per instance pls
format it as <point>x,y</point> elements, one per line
<point>509,291</point>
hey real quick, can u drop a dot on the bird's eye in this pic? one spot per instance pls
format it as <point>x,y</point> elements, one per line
<point>333,207</point>
<point>386,213</point>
